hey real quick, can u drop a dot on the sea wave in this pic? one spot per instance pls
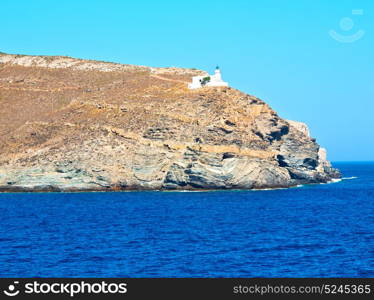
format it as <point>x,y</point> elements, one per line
<point>335,180</point>
<point>348,178</point>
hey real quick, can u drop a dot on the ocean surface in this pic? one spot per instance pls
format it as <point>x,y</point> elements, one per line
<point>322,230</point>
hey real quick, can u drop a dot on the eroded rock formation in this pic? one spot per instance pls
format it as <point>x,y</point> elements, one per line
<point>70,124</point>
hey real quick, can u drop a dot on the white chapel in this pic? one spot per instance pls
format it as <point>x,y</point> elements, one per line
<point>210,80</point>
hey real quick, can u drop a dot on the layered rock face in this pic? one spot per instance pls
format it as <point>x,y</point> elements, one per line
<point>70,125</point>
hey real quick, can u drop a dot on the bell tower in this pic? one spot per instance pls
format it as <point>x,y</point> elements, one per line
<point>217,73</point>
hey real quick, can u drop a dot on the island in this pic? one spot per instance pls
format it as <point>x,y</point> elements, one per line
<point>70,124</point>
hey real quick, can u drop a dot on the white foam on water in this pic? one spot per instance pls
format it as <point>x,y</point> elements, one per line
<point>334,180</point>
<point>268,189</point>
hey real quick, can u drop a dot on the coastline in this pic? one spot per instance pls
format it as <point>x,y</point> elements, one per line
<point>16,190</point>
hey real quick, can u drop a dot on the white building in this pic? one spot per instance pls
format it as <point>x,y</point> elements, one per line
<point>210,80</point>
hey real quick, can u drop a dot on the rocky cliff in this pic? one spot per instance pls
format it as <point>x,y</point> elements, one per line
<point>71,124</point>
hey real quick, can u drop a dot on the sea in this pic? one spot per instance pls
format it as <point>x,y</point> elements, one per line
<point>323,230</point>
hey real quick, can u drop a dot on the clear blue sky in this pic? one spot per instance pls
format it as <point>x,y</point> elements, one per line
<point>280,51</point>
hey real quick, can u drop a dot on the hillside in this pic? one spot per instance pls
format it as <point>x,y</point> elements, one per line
<point>71,124</point>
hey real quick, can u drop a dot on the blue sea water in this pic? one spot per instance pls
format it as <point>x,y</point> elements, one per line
<point>311,231</point>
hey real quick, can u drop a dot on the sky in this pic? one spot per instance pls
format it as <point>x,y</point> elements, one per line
<point>310,60</point>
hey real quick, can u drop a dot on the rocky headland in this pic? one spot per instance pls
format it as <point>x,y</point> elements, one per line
<point>74,125</point>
